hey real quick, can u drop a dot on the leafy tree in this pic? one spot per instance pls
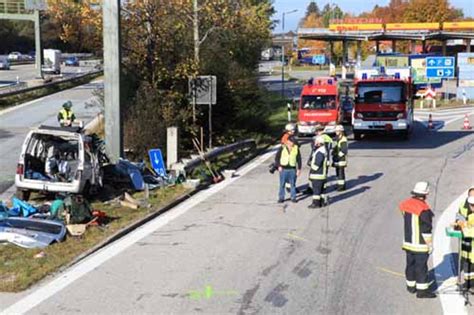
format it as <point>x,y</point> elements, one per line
<point>331,12</point>
<point>79,23</point>
<point>312,9</point>
<point>431,11</point>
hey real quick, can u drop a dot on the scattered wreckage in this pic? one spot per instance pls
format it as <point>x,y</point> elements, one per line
<point>28,226</point>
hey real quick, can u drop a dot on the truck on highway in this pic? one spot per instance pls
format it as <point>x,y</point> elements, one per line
<point>319,105</point>
<point>383,102</point>
<point>52,61</point>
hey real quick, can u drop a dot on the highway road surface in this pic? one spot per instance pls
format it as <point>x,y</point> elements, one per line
<point>27,72</point>
<point>15,123</point>
<point>232,249</point>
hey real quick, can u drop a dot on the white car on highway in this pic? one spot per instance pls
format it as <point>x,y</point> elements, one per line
<point>58,159</point>
<point>15,55</point>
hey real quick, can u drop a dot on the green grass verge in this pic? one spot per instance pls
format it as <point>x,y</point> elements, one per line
<point>20,270</point>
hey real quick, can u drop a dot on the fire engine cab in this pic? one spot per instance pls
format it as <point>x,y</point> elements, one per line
<point>319,104</point>
<point>383,102</point>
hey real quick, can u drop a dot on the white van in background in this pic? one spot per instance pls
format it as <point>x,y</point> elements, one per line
<point>52,61</point>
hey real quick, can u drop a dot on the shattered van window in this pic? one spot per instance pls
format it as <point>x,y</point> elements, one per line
<point>51,158</point>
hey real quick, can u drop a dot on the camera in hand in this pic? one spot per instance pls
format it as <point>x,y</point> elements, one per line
<point>272,168</point>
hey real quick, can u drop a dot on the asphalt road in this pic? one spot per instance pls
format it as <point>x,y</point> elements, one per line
<point>237,251</point>
<point>16,122</point>
<point>27,72</point>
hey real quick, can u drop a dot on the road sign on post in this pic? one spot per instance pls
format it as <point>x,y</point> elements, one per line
<point>319,60</point>
<point>204,88</point>
<point>157,163</point>
<point>440,67</point>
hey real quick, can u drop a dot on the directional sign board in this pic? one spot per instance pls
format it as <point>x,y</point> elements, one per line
<point>157,163</point>
<point>440,67</point>
<point>204,88</point>
<point>319,60</point>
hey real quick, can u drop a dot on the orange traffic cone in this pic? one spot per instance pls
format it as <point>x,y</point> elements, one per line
<point>466,124</point>
<point>430,122</point>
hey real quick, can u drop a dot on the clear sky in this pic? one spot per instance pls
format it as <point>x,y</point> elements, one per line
<point>352,6</point>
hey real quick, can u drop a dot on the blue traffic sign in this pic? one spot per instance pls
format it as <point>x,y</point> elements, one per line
<point>319,60</point>
<point>439,73</point>
<point>156,159</point>
<point>439,67</point>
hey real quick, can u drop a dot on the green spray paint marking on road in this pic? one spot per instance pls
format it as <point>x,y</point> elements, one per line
<point>209,292</point>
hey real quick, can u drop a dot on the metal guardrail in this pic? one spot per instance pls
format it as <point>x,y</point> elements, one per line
<point>50,84</point>
<point>12,88</point>
<point>12,6</point>
<point>189,165</point>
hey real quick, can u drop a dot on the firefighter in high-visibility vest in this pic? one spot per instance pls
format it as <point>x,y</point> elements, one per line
<point>318,172</point>
<point>339,157</point>
<point>66,116</point>
<point>417,241</point>
<point>465,218</point>
<point>288,163</point>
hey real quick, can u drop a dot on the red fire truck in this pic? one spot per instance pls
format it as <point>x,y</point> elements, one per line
<point>383,102</point>
<point>319,104</point>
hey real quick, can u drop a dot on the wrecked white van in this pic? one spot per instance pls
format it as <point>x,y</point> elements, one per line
<point>56,159</point>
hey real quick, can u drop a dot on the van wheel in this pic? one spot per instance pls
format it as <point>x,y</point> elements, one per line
<point>23,194</point>
<point>357,135</point>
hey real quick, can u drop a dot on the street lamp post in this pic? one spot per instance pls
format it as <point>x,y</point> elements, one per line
<point>283,51</point>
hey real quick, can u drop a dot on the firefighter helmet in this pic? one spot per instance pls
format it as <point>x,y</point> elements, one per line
<point>339,128</point>
<point>290,127</point>
<point>421,188</point>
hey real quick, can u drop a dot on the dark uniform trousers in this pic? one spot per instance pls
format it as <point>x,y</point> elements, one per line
<point>416,271</point>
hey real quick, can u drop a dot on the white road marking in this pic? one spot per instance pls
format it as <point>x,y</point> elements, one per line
<point>456,117</point>
<point>445,270</point>
<point>62,281</point>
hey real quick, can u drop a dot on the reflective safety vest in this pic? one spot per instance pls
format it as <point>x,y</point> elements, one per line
<point>65,114</point>
<point>418,220</point>
<point>319,164</point>
<point>340,152</point>
<point>289,159</point>
<point>467,249</point>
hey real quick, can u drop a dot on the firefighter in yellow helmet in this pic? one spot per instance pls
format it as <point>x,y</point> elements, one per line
<point>66,116</point>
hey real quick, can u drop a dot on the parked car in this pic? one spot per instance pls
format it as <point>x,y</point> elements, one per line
<point>58,159</point>
<point>347,105</point>
<point>72,61</point>
<point>15,55</point>
<point>4,63</point>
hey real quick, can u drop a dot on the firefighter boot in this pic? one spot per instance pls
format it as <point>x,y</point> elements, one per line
<point>315,204</point>
<point>425,294</point>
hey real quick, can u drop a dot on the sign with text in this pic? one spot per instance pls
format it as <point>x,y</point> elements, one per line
<point>440,67</point>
